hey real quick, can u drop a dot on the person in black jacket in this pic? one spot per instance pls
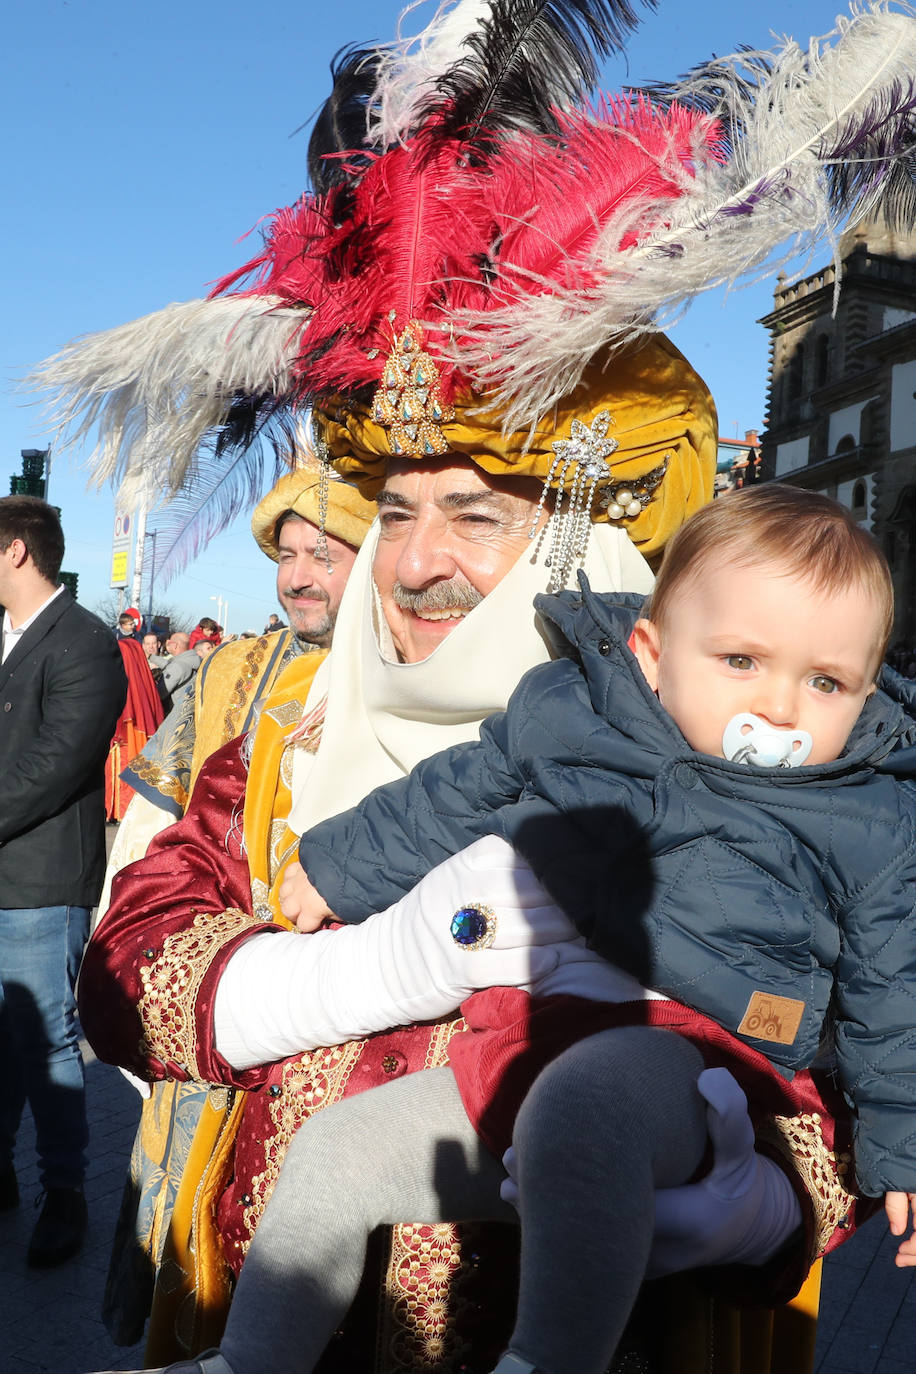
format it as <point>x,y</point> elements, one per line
<point>62,688</point>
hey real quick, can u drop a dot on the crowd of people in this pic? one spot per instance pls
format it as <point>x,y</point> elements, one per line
<point>158,672</point>
<point>508,927</point>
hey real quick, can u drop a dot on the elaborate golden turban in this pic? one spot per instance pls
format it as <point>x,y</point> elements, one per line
<point>662,414</point>
<point>348,514</point>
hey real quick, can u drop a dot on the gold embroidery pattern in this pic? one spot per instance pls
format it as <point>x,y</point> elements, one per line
<point>238,699</point>
<point>283,844</point>
<point>164,764</point>
<point>439,1040</point>
<point>800,1140</point>
<point>424,1262</point>
<point>307,734</point>
<point>286,767</point>
<point>171,984</point>
<point>314,1080</point>
<point>421,1304</point>
<point>287,714</point>
<point>158,778</point>
<point>260,900</point>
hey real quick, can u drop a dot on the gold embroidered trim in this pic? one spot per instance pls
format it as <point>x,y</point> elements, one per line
<point>260,900</point>
<point>439,1040</point>
<point>163,782</point>
<point>286,767</point>
<point>420,1307</point>
<point>172,981</point>
<point>284,846</point>
<point>425,1260</point>
<point>307,734</point>
<point>313,1081</point>
<point>800,1140</point>
<point>238,699</point>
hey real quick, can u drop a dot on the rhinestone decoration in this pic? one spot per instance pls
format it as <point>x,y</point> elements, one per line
<point>474,926</point>
<point>408,401</point>
<point>629,499</point>
<point>583,456</point>
<point>324,477</point>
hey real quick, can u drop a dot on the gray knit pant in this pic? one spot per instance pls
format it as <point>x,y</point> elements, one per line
<point>606,1123</point>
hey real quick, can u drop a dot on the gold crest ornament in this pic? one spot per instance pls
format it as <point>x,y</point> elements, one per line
<point>408,403</point>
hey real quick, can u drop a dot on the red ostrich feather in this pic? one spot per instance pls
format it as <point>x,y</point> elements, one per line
<point>423,232</point>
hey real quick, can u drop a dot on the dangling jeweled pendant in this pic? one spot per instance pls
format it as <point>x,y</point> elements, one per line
<point>583,458</point>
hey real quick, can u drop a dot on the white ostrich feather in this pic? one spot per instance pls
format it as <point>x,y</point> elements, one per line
<point>154,388</point>
<point>772,200</point>
<point>410,68</point>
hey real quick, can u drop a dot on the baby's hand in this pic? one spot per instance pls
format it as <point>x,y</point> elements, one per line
<point>898,1207</point>
<point>300,902</point>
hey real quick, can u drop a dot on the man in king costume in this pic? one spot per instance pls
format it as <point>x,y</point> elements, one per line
<point>220,704</point>
<point>469,302</point>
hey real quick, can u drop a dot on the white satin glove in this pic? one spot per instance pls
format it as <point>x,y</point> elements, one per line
<point>740,1213</point>
<point>284,993</point>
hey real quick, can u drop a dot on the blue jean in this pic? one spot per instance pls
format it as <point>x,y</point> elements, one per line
<point>40,1060</point>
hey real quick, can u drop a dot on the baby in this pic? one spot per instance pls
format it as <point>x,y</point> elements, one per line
<point>710,792</point>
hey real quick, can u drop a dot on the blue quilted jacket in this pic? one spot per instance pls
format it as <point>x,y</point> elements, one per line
<point>779,902</point>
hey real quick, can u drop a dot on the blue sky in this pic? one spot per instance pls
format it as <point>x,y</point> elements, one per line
<point>144,141</point>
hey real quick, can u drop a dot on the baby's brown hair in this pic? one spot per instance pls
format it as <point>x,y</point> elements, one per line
<point>799,532</point>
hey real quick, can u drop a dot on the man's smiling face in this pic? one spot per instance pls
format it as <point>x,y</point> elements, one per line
<point>311,580</point>
<point>449,534</point>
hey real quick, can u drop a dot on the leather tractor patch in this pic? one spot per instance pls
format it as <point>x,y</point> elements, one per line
<point>772,1018</point>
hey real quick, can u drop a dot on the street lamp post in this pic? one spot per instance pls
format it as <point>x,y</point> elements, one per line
<point>222,612</point>
<point>152,578</point>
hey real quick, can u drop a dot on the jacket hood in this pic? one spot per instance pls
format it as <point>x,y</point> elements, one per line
<point>575,624</point>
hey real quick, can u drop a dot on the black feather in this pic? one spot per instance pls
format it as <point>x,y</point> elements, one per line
<point>340,126</point>
<point>248,419</point>
<point>528,57</point>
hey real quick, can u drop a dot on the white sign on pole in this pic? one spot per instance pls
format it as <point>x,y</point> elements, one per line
<point>120,547</point>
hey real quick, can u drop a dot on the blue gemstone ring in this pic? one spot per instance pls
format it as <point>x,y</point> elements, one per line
<point>474,926</point>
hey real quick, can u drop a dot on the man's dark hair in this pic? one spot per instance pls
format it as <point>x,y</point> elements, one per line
<point>38,526</point>
<point>288,514</point>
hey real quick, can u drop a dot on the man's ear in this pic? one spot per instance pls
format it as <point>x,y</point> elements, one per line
<point>17,552</point>
<point>646,645</point>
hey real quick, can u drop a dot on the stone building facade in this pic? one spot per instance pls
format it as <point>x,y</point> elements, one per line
<point>841,410</point>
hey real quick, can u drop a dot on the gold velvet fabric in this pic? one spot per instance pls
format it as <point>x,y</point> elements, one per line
<point>349,514</point>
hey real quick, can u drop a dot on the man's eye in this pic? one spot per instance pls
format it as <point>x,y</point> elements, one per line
<point>820,683</point>
<point>742,662</point>
<point>389,518</point>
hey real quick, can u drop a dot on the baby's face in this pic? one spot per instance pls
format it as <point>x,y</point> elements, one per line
<point>753,639</point>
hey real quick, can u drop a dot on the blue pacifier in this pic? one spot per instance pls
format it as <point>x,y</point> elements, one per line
<point>748,739</point>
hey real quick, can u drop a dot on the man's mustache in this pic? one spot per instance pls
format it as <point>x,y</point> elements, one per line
<point>306,594</point>
<point>456,594</point>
